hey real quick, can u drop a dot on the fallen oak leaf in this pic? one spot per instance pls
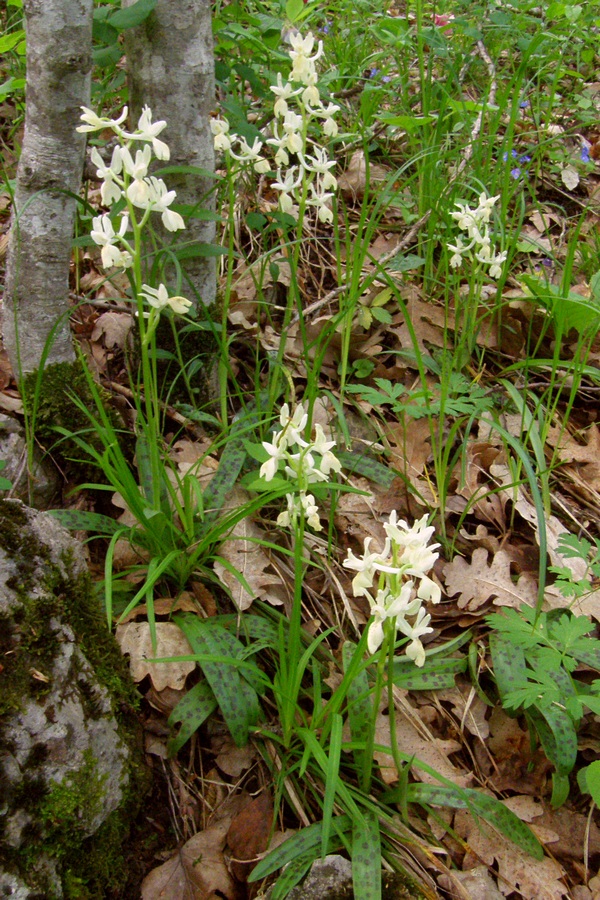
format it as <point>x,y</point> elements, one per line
<point>477,582</point>
<point>135,639</point>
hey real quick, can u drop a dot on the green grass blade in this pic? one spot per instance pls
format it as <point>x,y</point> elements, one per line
<point>332,775</point>
<point>306,841</point>
<point>366,858</point>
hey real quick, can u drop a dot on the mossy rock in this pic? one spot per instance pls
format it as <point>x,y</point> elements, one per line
<point>50,400</point>
<point>71,766</point>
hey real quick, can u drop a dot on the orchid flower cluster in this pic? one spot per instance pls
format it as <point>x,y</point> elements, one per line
<point>300,465</point>
<point>475,222</point>
<point>402,584</point>
<point>126,177</point>
<point>308,180</point>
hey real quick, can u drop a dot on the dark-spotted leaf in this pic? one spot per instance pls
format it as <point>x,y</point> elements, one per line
<point>489,808</point>
<point>366,858</point>
<point>192,710</point>
<point>306,841</point>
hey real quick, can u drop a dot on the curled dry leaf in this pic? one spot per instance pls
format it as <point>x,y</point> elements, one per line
<point>196,872</point>
<point>135,640</point>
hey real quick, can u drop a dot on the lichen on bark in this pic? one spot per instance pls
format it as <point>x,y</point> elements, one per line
<point>59,63</point>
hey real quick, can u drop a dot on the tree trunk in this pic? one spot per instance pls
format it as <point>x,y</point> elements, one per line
<point>59,63</point>
<point>170,67</point>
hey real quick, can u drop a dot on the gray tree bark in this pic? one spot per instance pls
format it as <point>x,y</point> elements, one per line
<point>59,64</point>
<point>170,66</point>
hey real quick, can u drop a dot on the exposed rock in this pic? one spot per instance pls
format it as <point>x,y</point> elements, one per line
<point>329,877</point>
<point>43,485</point>
<point>68,758</point>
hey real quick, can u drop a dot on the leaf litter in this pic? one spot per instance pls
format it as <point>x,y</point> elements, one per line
<point>497,542</point>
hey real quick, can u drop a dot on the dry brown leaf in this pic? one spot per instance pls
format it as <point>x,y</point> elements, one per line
<point>248,834</point>
<point>135,640</point>
<point>478,488</point>
<point>477,882</point>
<point>196,872</point>
<point>534,879</point>
<point>6,373</point>
<point>11,402</point>
<point>113,328</point>
<point>411,447</point>
<point>570,451</point>
<point>430,750</point>
<point>428,321</point>
<point>477,582</point>
<point>469,709</point>
<point>554,527</point>
<point>243,551</point>
<point>234,760</point>
<point>353,182</point>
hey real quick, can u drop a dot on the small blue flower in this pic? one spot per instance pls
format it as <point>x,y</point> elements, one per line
<point>514,173</point>
<point>547,262</point>
<point>524,104</point>
<point>585,154</point>
<point>373,73</point>
<point>513,153</point>
<point>385,79</point>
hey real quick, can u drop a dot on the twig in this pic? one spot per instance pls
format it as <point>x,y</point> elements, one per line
<point>405,242</point>
<point>490,102</point>
<point>172,413</point>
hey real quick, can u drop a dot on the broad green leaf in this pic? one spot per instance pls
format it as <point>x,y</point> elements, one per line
<point>560,790</point>
<point>81,520</point>
<point>203,250</point>
<point>435,675</point>
<point>192,710</point>
<point>353,461</point>
<point>360,708</point>
<point>557,734</point>
<point>489,808</point>
<point>236,698</point>
<point>130,16</point>
<point>303,842</point>
<point>366,858</point>
<point>10,41</point>
<point>510,670</point>
<point>589,780</point>
<point>293,8</point>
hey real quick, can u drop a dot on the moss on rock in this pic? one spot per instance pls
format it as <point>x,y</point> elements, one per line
<point>47,607</point>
